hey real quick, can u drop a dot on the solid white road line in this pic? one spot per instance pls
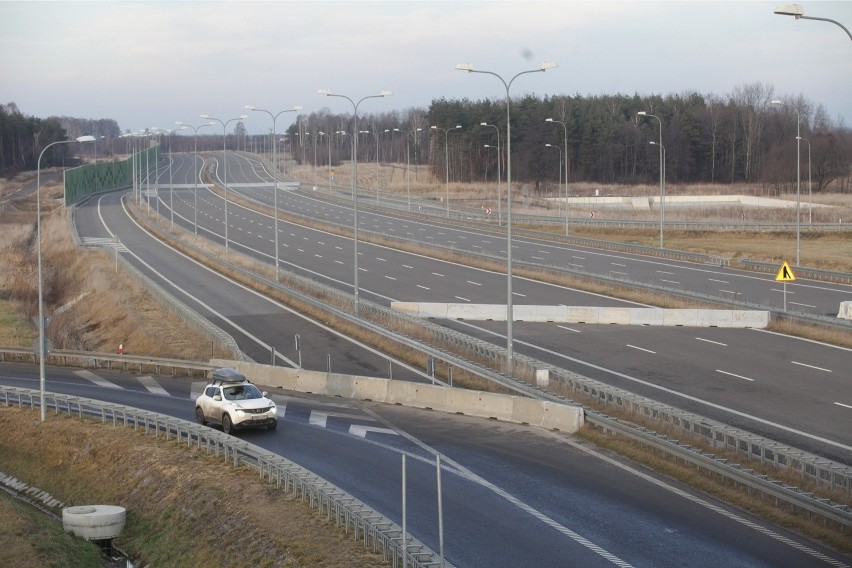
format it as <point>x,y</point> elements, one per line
<point>733,375</point>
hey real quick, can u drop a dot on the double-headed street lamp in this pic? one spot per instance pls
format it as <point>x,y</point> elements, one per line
<point>509,308</point>
<point>499,157</point>
<point>41,339</point>
<point>225,161</point>
<point>195,164</point>
<point>799,13</point>
<point>447,158</point>
<point>662,175</point>
<point>355,106</point>
<point>565,146</point>
<point>798,178</point>
<point>275,175</point>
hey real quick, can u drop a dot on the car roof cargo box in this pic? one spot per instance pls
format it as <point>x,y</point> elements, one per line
<point>227,375</point>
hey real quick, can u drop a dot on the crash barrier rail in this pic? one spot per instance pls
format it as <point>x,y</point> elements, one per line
<point>378,532</point>
<point>104,176</point>
<point>801,271</point>
<point>168,301</point>
<point>110,360</point>
<point>482,357</point>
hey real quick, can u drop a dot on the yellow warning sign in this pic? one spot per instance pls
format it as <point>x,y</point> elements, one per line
<point>785,273</point>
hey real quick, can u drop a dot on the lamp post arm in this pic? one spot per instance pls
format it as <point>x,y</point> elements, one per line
<point>827,20</point>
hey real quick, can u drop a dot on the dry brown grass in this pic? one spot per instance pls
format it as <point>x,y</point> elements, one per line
<point>185,508</point>
<point>106,307</point>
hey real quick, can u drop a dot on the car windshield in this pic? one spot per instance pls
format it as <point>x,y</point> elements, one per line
<point>241,392</point>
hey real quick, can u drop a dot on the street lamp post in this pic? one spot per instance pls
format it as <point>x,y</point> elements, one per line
<point>559,187</point>
<point>565,145</point>
<point>798,179</point>
<point>195,164</point>
<point>810,194</point>
<point>447,159</point>
<point>225,162</point>
<point>378,133</point>
<point>509,308</point>
<point>663,149</point>
<point>797,11</point>
<point>499,223</point>
<point>355,106</point>
<point>408,161</point>
<point>662,175</point>
<point>275,175</point>
<point>41,339</point>
<point>499,157</point>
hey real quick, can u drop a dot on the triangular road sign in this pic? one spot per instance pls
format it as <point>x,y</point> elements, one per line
<point>785,273</point>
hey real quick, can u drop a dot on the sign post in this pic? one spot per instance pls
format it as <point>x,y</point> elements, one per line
<point>785,274</point>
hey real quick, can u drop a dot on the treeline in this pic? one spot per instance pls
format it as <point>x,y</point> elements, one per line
<point>742,137</point>
<point>22,138</point>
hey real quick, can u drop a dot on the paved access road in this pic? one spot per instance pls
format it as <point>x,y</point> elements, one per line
<point>791,390</point>
<point>513,496</point>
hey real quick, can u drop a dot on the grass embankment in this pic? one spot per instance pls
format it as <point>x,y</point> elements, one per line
<point>117,310</point>
<point>184,507</point>
<point>91,305</point>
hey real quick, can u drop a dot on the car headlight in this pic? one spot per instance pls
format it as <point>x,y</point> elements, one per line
<point>273,410</point>
<point>241,413</point>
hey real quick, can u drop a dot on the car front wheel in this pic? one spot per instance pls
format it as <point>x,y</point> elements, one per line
<point>199,416</point>
<point>273,425</point>
<point>227,425</point>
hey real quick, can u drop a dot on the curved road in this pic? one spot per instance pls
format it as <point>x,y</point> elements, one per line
<point>513,496</point>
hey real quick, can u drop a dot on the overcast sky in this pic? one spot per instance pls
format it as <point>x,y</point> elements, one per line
<point>149,64</point>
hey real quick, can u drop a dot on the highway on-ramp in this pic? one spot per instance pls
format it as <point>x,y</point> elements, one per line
<point>513,496</point>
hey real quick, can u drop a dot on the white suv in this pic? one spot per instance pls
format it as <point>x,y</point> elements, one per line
<point>232,401</point>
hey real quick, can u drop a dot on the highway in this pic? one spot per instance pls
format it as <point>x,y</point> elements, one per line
<point>788,389</point>
<point>803,296</point>
<point>513,496</point>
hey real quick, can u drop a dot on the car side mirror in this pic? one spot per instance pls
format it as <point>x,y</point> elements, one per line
<point>217,397</point>
<point>264,393</point>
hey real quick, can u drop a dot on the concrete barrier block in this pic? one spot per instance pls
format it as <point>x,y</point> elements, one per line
<point>311,381</point>
<point>845,311</point>
<point>645,316</point>
<point>369,388</point>
<point>578,314</point>
<point>562,417</point>
<point>542,377</point>
<point>340,385</point>
<point>758,319</point>
<point>690,318</point>
<point>620,316</point>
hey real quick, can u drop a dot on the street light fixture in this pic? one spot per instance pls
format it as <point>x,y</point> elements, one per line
<point>355,106</point>
<point>799,13</point>
<point>565,146</point>
<point>662,175</point>
<point>225,161</point>
<point>195,164</point>
<point>275,175</point>
<point>798,179</point>
<point>378,133</point>
<point>509,308</point>
<point>447,159</point>
<point>499,176</point>
<point>41,339</point>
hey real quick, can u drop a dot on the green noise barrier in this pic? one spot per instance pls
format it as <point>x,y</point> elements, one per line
<point>106,176</point>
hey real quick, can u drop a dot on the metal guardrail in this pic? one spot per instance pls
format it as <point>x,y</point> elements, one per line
<point>378,532</point>
<point>95,359</point>
<point>782,493</point>
<point>802,271</point>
